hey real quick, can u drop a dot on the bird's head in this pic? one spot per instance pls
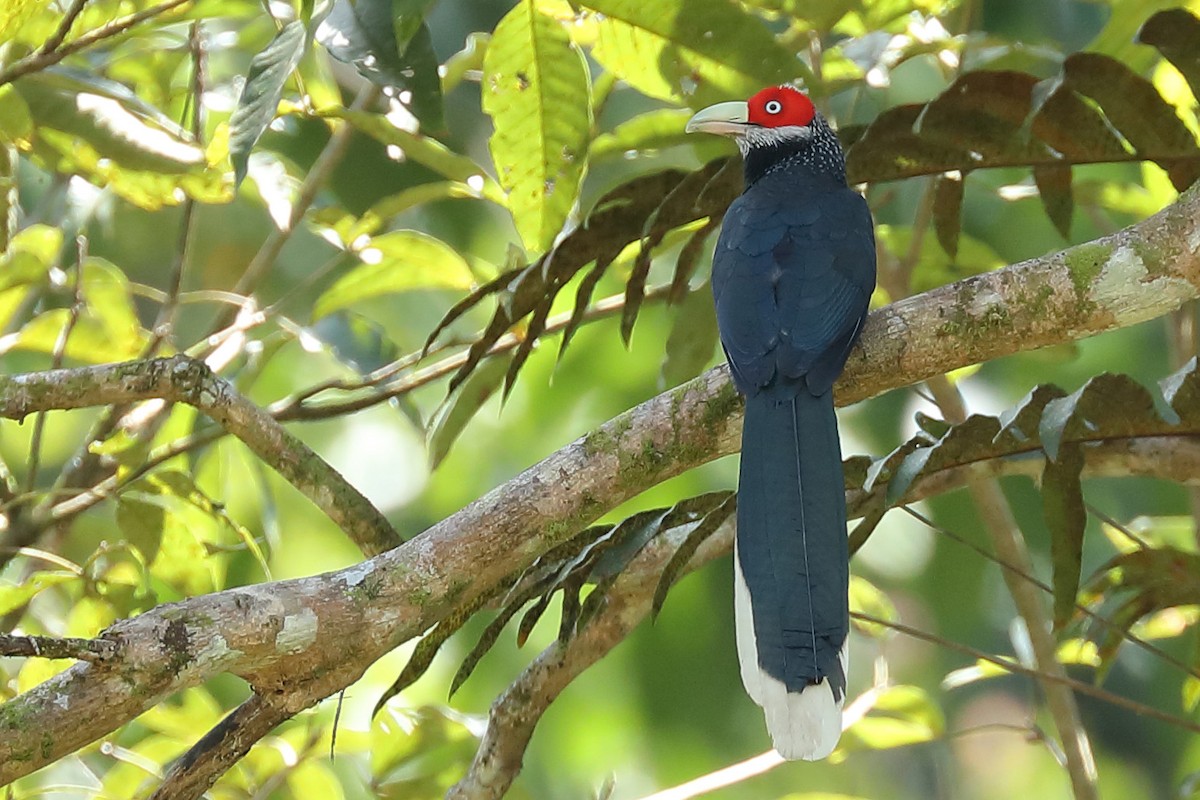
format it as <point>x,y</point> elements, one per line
<point>774,115</point>
<point>776,126</point>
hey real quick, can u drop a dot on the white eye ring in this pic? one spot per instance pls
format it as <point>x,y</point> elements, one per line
<point>773,107</point>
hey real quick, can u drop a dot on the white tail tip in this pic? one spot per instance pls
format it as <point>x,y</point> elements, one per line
<point>804,725</point>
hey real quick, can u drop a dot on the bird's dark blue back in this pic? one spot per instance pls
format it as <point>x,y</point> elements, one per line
<point>793,272</point>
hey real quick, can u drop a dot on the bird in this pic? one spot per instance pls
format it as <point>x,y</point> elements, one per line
<point>792,276</point>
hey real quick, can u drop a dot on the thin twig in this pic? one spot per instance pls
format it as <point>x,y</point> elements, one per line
<point>56,360</point>
<point>116,482</point>
<point>1103,621</point>
<point>39,61</point>
<point>1017,668</point>
<point>165,323</point>
<point>1124,530</point>
<point>64,27</point>
<point>180,379</point>
<point>1009,545</point>
<point>296,407</point>
<point>93,650</point>
<point>194,773</point>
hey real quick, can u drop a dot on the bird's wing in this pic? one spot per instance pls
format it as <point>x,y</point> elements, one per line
<point>792,280</point>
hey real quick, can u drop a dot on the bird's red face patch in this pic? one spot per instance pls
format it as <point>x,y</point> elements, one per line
<point>780,106</point>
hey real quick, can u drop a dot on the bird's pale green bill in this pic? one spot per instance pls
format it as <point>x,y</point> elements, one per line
<point>723,119</point>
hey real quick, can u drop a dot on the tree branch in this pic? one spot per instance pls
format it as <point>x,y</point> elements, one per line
<point>198,769</point>
<point>316,635</point>
<point>516,712</point>
<point>49,57</point>
<point>180,379</point>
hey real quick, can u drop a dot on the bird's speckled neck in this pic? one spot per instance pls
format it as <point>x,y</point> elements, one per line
<point>815,147</point>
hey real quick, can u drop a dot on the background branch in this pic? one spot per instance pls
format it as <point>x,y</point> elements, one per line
<point>47,58</point>
<point>1009,544</point>
<point>180,379</point>
<point>516,712</point>
<point>197,770</point>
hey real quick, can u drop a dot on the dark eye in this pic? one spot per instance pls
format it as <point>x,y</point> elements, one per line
<point>773,107</point>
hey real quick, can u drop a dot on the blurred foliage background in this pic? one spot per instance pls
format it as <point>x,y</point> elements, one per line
<point>413,216</point>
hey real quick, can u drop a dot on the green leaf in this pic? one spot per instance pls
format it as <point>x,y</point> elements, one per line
<point>15,119</point>
<point>110,119</point>
<point>106,331</point>
<point>1054,187</point>
<point>181,485</point>
<point>901,715</point>
<point>313,778</point>
<point>364,33</point>
<point>536,90</point>
<point>867,598</point>
<point>30,255</point>
<point>17,596</point>
<point>14,14</point>
<point>645,133</point>
<point>259,101</point>
<point>1078,651</point>
<point>458,409</point>
<point>947,210</point>
<point>109,301</point>
<point>1190,693</point>
<point>424,150</point>
<point>1147,121</point>
<point>1168,623</point>
<point>1176,34</point>
<point>1066,518</point>
<point>398,261</point>
<point>693,338</point>
<point>980,670</point>
<point>690,52</point>
<point>379,214</point>
<point>141,524</point>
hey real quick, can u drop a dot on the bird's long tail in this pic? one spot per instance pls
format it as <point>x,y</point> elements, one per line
<point>792,571</point>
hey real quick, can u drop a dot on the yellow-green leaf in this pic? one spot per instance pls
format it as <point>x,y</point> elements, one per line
<point>1191,693</point>
<point>693,52</point>
<point>460,407</point>
<point>866,598</point>
<point>901,715</point>
<point>14,14</point>
<point>109,119</point>
<point>646,132</point>
<point>13,596</point>
<point>536,90</point>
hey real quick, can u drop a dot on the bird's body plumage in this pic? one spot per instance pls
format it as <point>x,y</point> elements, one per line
<point>793,272</point>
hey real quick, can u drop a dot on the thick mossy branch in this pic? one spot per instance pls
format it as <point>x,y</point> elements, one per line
<point>308,638</point>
